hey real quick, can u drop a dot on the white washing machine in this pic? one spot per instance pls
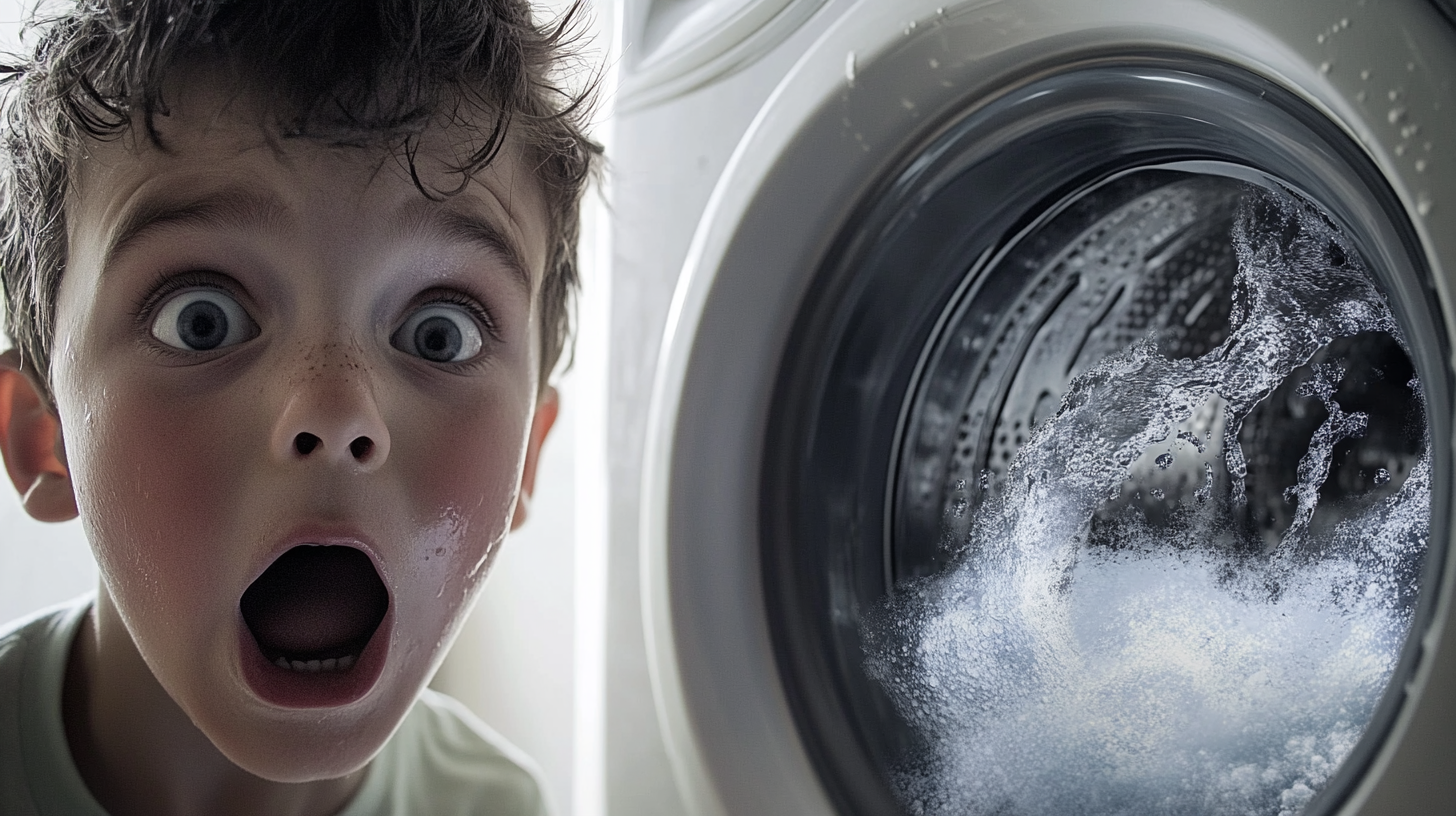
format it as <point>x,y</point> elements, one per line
<point>1032,406</point>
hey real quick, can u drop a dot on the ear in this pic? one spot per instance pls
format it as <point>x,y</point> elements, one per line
<point>30,440</point>
<point>547,406</point>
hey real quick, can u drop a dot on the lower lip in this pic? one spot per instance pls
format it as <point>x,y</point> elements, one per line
<point>287,688</point>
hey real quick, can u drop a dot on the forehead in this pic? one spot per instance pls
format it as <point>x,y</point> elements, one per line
<point>219,158</point>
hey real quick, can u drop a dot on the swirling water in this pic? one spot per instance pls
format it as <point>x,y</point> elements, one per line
<point>1192,668</point>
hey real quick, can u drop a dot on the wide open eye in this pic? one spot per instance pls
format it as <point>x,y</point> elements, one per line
<point>202,320</point>
<point>440,333</point>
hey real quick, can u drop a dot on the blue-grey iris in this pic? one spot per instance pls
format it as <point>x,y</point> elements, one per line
<point>202,325</point>
<point>438,339</point>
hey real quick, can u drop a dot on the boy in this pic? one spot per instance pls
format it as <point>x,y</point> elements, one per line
<point>285,280</point>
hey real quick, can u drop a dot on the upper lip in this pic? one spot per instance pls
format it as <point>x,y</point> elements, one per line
<point>326,535</point>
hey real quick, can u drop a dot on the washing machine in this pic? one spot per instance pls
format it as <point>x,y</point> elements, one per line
<point>1032,407</point>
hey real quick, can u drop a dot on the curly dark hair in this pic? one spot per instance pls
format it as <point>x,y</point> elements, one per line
<point>342,72</point>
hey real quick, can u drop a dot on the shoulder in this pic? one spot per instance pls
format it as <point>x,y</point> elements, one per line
<point>41,625</point>
<point>34,758</point>
<point>444,760</point>
<point>40,640</point>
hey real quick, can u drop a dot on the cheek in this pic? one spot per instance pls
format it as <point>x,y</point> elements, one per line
<point>462,478</point>
<point>151,483</point>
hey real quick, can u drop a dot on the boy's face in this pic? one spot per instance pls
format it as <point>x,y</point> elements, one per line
<point>266,346</point>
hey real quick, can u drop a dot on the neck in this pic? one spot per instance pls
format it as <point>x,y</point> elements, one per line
<point>139,753</point>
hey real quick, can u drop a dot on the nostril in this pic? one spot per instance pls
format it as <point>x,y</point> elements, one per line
<point>304,443</point>
<point>361,447</point>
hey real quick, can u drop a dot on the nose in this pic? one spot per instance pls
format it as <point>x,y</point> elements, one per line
<point>330,414</point>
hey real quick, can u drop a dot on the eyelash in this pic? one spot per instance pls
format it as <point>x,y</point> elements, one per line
<point>472,306</point>
<point>166,284</point>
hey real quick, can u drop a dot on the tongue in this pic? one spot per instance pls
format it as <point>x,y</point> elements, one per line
<point>316,599</point>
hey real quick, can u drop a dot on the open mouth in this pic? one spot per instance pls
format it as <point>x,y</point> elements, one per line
<point>315,610</point>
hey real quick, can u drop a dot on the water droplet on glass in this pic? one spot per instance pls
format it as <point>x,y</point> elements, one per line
<point>1424,204</point>
<point>1365,74</point>
<point>1165,461</point>
<point>1156,493</point>
<point>934,63</point>
<point>1360,97</point>
<point>960,484</point>
<point>1325,67</point>
<point>1395,115</point>
<point>1320,38</point>
<point>1400,150</point>
<point>1393,95</point>
<point>849,67</point>
<point>959,507</point>
<point>1382,476</point>
<point>1344,22</point>
<point>985,480</point>
<point>1420,165</point>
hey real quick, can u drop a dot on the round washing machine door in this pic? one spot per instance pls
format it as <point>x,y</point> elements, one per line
<point>1056,418</point>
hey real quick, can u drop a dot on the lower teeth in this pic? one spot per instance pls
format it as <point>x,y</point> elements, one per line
<point>315,666</point>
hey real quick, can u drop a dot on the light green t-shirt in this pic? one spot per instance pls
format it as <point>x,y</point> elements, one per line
<point>442,761</point>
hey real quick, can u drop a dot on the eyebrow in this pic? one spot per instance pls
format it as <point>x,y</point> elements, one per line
<point>243,208</point>
<point>451,224</point>
<point>233,207</point>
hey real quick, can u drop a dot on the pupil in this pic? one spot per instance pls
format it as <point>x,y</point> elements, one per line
<point>202,325</point>
<point>438,339</point>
